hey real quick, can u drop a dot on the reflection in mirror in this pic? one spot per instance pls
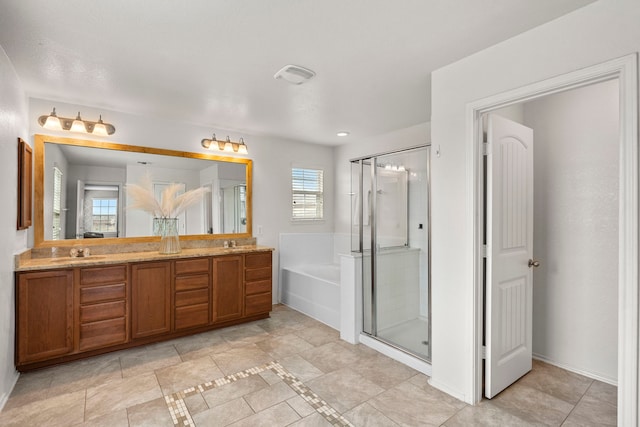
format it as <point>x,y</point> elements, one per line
<point>84,190</point>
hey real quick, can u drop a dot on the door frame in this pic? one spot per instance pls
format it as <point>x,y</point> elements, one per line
<point>624,69</point>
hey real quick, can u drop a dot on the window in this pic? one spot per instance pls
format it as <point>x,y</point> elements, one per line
<point>307,194</point>
<point>104,215</point>
<point>57,203</point>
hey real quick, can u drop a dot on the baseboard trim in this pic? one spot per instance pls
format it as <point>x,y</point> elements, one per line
<point>575,370</point>
<point>451,392</point>
<point>5,396</point>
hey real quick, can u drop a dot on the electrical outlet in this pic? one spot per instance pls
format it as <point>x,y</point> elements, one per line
<point>259,230</point>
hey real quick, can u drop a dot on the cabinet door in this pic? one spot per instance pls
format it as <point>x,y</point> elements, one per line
<point>228,295</point>
<point>45,315</point>
<point>150,299</point>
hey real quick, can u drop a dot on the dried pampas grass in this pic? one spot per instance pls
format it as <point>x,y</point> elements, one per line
<point>172,204</point>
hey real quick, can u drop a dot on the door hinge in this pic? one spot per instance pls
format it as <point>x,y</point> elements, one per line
<point>485,149</point>
<point>484,352</point>
<point>485,251</point>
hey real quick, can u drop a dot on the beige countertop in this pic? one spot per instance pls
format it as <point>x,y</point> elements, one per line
<point>124,257</point>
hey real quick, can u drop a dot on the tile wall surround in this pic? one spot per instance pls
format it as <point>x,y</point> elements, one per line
<point>287,370</point>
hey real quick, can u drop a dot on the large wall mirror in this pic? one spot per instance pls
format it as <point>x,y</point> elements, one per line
<point>80,192</point>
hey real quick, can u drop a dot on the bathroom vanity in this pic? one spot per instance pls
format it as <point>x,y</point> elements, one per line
<point>125,293</point>
<point>71,308</point>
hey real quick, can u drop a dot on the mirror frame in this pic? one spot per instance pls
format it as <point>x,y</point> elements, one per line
<point>39,141</point>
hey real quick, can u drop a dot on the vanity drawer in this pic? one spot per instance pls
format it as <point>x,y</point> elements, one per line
<point>103,333</point>
<point>192,282</point>
<point>254,304</point>
<point>107,310</point>
<point>191,316</point>
<point>94,294</point>
<point>198,296</point>
<point>258,260</point>
<point>189,266</point>
<point>257,274</point>
<point>95,275</point>
<point>258,287</point>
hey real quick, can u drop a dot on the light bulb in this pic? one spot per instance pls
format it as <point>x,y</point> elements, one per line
<point>78,125</point>
<point>100,129</point>
<point>242,148</point>
<point>52,122</point>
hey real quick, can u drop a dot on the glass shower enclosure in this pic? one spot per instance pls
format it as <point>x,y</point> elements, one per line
<point>390,230</point>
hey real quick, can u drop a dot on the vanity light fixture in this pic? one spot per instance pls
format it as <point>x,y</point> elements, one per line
<point>227,145</point>
<point>53,122</point>
<point>342,133</point>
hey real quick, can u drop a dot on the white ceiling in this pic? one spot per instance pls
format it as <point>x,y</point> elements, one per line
<point>211,62</point>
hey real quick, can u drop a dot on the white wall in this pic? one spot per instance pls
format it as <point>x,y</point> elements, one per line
<point>272,159</point>
<point>599,32</point>
<point>575,291</point>
<point>13,113</point>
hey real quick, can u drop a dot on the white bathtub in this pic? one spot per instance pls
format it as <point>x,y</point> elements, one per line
<point>313,289</point>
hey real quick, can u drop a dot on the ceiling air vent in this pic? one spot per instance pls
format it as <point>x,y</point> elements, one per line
<point>294,74</point>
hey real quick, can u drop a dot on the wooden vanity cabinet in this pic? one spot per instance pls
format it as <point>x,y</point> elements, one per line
<point>44,315</point>
<point>103,309</point>
<point>228,292</point>
<point>192,291</point>
<point>71,313</point>
<point>150,299</point>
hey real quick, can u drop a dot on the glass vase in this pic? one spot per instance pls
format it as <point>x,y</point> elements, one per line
<point>167,229</point>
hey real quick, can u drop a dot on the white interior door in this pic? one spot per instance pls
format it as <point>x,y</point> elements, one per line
<point>80,210</point>
<point>508,301</point>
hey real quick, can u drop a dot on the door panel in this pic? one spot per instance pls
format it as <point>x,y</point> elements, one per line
<point>228,296</point>
<point>509,247</point>
<point>151,298</point>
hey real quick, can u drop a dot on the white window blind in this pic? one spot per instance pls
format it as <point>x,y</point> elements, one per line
<point>307,194</point>
<point>57,203</point>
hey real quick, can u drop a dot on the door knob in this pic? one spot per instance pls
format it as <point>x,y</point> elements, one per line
<point>533,263</point>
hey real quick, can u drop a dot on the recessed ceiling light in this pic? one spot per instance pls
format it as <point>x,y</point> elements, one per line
<point>343,133</point>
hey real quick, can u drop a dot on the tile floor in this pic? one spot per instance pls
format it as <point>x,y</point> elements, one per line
<point>288,370</point>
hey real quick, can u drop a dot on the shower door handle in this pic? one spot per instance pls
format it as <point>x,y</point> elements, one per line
<point>534,263</point>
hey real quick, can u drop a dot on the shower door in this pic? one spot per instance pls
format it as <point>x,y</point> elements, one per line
<point>391,222</point>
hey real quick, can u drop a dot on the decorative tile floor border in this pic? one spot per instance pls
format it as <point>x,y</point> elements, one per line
<point>181,416</point>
